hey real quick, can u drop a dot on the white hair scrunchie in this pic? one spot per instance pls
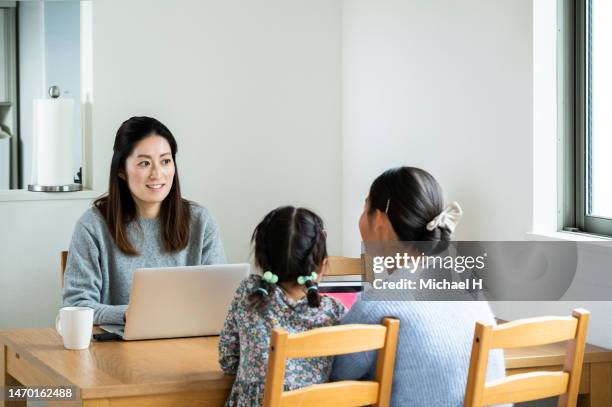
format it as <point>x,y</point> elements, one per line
<point>448,218</point>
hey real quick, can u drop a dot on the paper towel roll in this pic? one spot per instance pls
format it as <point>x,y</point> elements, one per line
<point>52,162</point>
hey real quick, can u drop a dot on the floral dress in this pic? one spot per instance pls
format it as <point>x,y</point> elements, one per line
<point>245,338</point>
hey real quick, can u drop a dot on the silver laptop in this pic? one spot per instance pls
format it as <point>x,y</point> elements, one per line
<point>174,302</point>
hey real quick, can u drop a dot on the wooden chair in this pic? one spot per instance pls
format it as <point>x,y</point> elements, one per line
<point>534,385</point>
<point>329,341</point>
<point>63,262</point>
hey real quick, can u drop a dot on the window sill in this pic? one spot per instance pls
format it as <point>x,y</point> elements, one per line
<point>571,236</point>
<point>25,195</point>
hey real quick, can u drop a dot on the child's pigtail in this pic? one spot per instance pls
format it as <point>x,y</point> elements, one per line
<point>313,296</point>
<point>312,290</point>
<point>260,295</point>
<point>317,253</point>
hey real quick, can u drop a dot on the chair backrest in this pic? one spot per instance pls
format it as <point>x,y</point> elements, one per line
<point>329,341</point>
<point>63,261</point>
<point>342,266</point>
<point>533,385</point>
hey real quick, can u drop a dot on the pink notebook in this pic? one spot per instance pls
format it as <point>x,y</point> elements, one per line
<point>347,299</point>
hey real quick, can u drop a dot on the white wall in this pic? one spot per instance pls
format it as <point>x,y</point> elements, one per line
<point>451,87</point>
<point>32,234</point>
<point>443,85</point>
<point>545,145</point>
<point>251,90</point>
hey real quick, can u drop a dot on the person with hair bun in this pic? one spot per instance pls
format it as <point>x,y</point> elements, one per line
<point>290,249</point>
<point>435,337</point>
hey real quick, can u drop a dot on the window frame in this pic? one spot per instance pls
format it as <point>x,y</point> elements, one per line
<point>573,77</point>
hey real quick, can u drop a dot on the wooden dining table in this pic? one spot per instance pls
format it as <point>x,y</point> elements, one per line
<point>186,372</point>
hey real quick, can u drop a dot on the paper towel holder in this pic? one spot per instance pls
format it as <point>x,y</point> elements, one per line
<point>54,92</point>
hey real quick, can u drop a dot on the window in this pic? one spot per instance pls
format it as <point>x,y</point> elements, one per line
<point>40,47</point>
<point>587,82</point>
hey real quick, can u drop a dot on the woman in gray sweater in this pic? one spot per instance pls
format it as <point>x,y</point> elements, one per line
<point>141,222</point>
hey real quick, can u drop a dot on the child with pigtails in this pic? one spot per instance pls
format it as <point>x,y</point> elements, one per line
<point>289,245</point>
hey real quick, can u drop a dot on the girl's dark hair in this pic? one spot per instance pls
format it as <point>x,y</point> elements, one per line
<point>289,242</point>
<point>411,198</point>
<point>118,207</point>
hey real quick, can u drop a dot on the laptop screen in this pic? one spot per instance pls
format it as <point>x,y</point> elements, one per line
<point>345,290</point>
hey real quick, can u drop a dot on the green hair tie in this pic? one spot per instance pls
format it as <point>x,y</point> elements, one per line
<point>270,277</point>
<point>303,279</point>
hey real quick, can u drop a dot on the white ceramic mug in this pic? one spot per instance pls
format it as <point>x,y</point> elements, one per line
<point>75,324</point>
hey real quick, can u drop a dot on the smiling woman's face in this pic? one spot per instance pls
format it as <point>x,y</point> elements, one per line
<point>150,173</point>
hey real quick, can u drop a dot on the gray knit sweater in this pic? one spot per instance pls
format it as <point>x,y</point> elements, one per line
<point>433,350</point>
<point>99,275</point>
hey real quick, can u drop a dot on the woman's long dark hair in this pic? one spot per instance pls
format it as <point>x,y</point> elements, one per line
<point>118,207</point>
<point>289,242</point>
<point>411,198</point>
